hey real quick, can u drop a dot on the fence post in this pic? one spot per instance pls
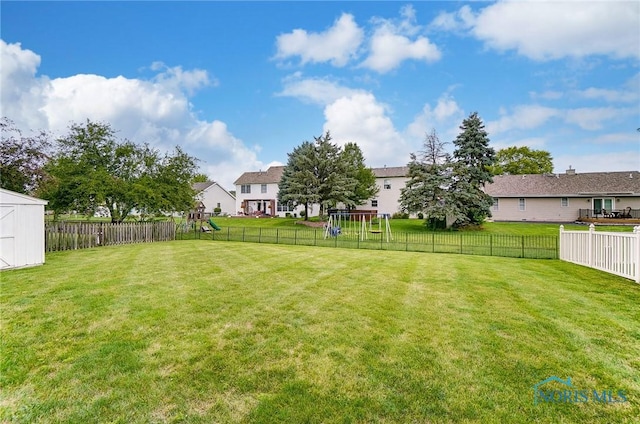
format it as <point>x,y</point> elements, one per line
<point>636,231</point>
<point>592,230</point>
<point>406,242</point>
<point>560,255</point>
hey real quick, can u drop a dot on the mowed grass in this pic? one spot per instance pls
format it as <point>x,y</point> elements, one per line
<point>202,332</point>
<point>415,225</point>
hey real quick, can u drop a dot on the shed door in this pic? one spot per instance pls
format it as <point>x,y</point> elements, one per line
<point>7,236</point>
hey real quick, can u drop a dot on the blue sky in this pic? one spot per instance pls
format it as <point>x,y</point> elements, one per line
<point>240,84</point>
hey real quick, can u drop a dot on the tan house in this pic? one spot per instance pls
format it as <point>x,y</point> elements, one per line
<point>564,197</point>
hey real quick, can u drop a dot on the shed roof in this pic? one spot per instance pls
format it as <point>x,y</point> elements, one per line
<point>566,185</point>
<point>8,197</point>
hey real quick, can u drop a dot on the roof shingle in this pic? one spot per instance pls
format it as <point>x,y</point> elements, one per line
<point>565,185</point>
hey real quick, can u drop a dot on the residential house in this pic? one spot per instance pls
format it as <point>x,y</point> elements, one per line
<point>390,180</point>
<point>563,197</point>
<point>257,192</point>
<point>211,195</point>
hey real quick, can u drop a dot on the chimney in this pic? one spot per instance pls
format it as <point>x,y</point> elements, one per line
<point>571,171</point>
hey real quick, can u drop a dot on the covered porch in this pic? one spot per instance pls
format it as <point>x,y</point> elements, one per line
<point>258,207</point>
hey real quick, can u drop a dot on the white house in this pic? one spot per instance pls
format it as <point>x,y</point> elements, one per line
<point>21,230</point>
<point>213,195</point>
<point>257,192</point>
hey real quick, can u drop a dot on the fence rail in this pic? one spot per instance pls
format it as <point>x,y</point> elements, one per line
<point>615,253</point>
<point>84,235</point>
<point>518,246</point>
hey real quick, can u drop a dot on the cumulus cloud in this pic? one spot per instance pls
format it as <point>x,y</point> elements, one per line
<point>321,91</point>
<point>444,117</point>
<point>458,21</point>
<point>394,41</point>
<point>361,119</point>
<point>336,45</point>
<point>553,30</point>
<point>157,111</point>
<point>523,117</point>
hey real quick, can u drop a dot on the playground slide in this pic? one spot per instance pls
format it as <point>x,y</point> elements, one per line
<point>213,224</point>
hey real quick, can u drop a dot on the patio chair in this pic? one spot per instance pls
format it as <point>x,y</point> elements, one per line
<point>626,213</point>
<point>606,214</point>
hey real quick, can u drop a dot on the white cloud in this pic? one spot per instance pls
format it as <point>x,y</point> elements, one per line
<point>523,117</point>
<point>593,118</point>
<point>361,119</point>
<point>394,42</point>
<point>552,30</point>
<point>445,118</point>
<point>460,20</point>
<point>546,95</point>
<point>320,91</point>
<point>337,45</point>
<point>180,80</point>
<point>21,93</point>
<point>608,95</point>
<point>156,111</point>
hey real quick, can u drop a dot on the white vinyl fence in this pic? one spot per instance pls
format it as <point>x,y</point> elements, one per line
<point>615,253</point>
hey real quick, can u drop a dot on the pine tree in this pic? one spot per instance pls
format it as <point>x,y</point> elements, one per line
<point>474,159</point>
<point>430,179</point>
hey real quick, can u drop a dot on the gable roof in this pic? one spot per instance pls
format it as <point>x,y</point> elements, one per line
<point>198,187</point>
<point>271,175</point>
<point>8,197</point>
<point>566,185</point>
<point>393,171</point>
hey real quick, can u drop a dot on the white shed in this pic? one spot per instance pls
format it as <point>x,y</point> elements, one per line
<point>21,230</point>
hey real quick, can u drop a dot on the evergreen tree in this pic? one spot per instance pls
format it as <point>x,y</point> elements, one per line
<point>335,183</point>
<point>365,180</point>
<point>430,179</point>
<point>298,184</point>
<point>474,159</point>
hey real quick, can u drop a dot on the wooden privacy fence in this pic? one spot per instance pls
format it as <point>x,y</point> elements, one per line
<point>516,246</point>
<point>83,235</point>
<point>615,253</point>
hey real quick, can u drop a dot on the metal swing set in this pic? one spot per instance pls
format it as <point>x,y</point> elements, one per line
<point>354,222</point>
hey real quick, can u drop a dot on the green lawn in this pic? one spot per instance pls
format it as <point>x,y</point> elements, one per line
<point>417,226</point>
<point>202,332</point>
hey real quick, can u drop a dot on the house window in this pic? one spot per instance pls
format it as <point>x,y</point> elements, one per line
<point>374,203</point>
<point>245,188</point>
<point>564,202</point>
<point>285,207</point>
<point>218,205</point>
<point>263,188</point>
<point>521,204</point>
<point>387,185</point>
<point>496,203</point>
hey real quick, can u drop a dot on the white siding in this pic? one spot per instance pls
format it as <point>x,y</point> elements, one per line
<point>21,230</point>
<point>215,194</point>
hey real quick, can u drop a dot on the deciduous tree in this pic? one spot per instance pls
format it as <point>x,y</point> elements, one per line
<point>522,160</point>
<point>22,158</point>
<point>93,168</point>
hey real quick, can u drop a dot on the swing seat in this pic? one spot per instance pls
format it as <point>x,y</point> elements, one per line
<point>375,231</point>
